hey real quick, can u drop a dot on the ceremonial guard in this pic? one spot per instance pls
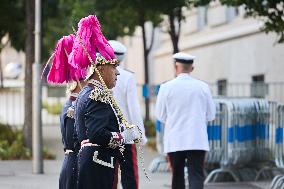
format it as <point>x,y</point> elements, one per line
<point>125,93</point>
<point>61,72</point>
<point>185,105</point>
<point>98,119</point>
<point>68,174</point>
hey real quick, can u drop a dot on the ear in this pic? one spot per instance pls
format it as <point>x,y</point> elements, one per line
<point>100,68</point>
<point>192,68</point>
<point>78,84</point>
<point>176,66</point>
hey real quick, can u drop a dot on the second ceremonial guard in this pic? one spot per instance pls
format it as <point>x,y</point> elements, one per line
<point>61,72</point>
<point>125,93</point>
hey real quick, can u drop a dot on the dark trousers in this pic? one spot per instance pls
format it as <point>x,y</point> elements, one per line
<point>194,160</point>
<point>92,175</point>
<point>68,174</point>
<point>129,168</point>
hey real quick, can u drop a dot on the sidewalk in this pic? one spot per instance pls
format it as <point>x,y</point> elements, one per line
<point>18,174</point>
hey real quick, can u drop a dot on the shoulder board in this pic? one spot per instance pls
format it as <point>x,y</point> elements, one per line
<point>128,70</point>
<point>203,81</point>
<point>101,95</point>
<point>165,82</point>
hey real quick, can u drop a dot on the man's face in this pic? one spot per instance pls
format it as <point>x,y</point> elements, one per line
<point>109,74</point>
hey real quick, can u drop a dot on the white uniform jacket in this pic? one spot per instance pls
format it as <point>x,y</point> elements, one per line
<point>125,93</point>
<point>185,105</point>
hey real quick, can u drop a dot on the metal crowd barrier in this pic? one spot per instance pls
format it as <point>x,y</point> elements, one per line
<point>279,137</point>
<point>214,131</point>
<point>244,135</point>
<point>160,163</point>
<point>278,181</point>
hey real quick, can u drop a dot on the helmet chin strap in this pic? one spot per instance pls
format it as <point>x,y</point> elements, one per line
<point>49,61</point>
<point>77,81</point>
<point>79,84</point>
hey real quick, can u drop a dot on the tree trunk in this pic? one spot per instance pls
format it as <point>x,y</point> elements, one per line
<point>2,46</point>
<point>1,73</point>
<point>146,66</point>
<point>173,31</point>
<point>29,50</point>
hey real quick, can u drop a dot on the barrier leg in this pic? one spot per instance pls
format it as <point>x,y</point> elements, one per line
<point>159,164</point>
<point>274,181</point>
<point>216,172</point>
<point>279,183</point>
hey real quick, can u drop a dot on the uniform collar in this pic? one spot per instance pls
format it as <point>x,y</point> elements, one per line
<point>184,75</point>
<point>120,68</point>
<point>95,83</point>
<point>73,96</point>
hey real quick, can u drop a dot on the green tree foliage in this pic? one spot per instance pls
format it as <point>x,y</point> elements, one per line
<point>270,11</point>
<point>12,22</point>
<point>56,16</point>
<point>60,16</point>
<point>174,14</point>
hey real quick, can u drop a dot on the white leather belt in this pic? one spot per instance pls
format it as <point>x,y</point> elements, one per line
<point>68,151</point>
<point>96,153</point>
<point>88,144</point>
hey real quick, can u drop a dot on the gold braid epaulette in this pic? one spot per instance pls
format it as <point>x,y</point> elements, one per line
<point>101,95</point>
<point>70,112</point>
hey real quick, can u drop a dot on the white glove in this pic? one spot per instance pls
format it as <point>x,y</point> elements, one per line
<point>131,134</point>
<point>144,140</point>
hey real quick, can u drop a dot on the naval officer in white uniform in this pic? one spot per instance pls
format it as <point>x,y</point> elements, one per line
<point>125,93</point>
<point>185,105</point>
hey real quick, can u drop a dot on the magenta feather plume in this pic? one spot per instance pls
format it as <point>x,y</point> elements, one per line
<point>89,32</point>
<point>101,42</point>
<point>60,70</point>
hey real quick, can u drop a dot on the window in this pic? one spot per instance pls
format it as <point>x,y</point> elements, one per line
<point>201,17</point>
<point>258,87</point>
<point>231,13</point>
<point>222,87</point>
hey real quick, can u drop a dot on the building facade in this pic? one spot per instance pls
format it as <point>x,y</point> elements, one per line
<point>232,54</point>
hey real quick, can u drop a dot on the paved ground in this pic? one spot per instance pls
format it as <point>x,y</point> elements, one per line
<point>18,174</point>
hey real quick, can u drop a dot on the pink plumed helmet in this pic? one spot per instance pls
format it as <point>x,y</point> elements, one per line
<point>60,70</point>
<point>89,35</point>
